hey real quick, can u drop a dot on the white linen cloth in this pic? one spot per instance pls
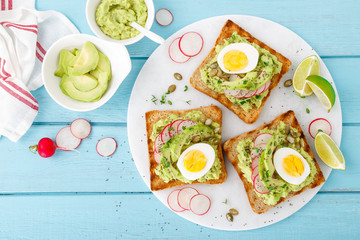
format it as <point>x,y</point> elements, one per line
<point>25,34</point>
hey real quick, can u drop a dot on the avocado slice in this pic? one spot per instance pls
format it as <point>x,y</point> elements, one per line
<point>85,82</point>
<point>68,88</point>
<point>65,58</point>
<point>104,66</point>
<point>85,61</point>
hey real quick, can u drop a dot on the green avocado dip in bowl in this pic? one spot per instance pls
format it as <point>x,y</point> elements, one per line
<point>111,19</point>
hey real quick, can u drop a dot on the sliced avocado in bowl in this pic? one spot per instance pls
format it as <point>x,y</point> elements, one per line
<point>65,58</point>
<point>85,82</point>
<point>85,61</point>
<point>103,66</point>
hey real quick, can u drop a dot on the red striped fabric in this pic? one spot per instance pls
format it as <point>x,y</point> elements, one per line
<point>10,5</point>
<point>21,25</point>
<point>39,56</point>
<point>2,5</point>
<point>22,28</point>
<point>41,48</point>
<point>18,97</point>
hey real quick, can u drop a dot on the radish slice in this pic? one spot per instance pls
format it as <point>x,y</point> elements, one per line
<point>262,138</point>
<point>157,157</point>
<point>173,128</point>
<point>80,128</point>
<point>184,125</point>
<point>175,54</point>
<point>259,186</point>
<point>200,204</point>
<point>158,143</point>
<point>173,203</point>
<point>232,93</point>
<point>254,153</point>
<point>319,124</point>
<point>261,147</point>
<point>164,17</point>
<point>255,172</point>
<point>241,94</point>
<point>184,197</point>
<point>233,77</point>
<point>165,135</point>
<point>267,85</point>
<point>191,44</point>
<point>106,147</point>
<point>250,94</point>
<point>255,162</point>
<point>261,89</point>
<point>66,141</point>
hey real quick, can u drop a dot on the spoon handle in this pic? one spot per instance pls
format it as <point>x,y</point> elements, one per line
<point>156,38</point>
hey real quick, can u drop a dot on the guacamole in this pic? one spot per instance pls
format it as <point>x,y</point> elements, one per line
<point>115,16</point>
<point>268,65</point>
<point>167,170</point>
<point>268,175</point>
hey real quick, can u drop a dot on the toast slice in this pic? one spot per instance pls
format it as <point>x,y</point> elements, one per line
<point>196,81</point>
<point>256,202</point>
<point>212,112</point>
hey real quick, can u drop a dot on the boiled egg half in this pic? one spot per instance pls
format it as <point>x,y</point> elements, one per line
<point>196,161</point>
<point>238,58</point>
<point>291,166</point>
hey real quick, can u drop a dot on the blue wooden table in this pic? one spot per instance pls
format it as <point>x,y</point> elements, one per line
<point>85,196</point>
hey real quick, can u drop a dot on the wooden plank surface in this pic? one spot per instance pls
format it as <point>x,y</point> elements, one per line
<point>63,197</point>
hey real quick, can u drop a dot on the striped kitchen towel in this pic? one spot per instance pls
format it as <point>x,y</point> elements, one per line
<point>25,35</point>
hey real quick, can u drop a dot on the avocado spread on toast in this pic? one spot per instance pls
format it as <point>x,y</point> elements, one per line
<point>167,170</point>
<point>268,65</point>
<point>278,187</point>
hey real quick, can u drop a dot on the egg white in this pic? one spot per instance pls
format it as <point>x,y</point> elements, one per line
<point>251,53</point>
<point>209,153</point>
<point>278,160</point>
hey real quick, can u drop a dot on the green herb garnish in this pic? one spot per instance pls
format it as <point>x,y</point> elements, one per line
<point>169,102</point>
<point>188,101</point>
<point>186,88</point>
<point>307,110</point>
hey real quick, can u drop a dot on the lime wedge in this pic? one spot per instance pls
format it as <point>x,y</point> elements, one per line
<point>328,151</point>
<point>323,90</point>
<point>308,66</point>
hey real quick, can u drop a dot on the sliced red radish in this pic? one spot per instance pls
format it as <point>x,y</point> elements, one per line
<point>185,196</point>
<point>320,124</point>
<point>233,77</point>
<point>191,43</point>
<point>255,162</point>
<point>261,147</point>
<point>157,157</point>
<point>259,186</point>
<point>165,135</point>
<point>173,128</point>
<point>106,147</point>
<point>232,93</point>
<point>250,94</point>
<point>267,86</point>
<point>80,128</point>
<point>184,125</point>
<point>261,89</point>
<point>200,204</point>
<point>262,138</point>
<point>175,54</point>
<point>66,141</point>
<point>241,94</point>
<point>254,173</point>
<point>254,153</point>
<point>164,17</point>
<point>158,143</point>
<point>173,202</point>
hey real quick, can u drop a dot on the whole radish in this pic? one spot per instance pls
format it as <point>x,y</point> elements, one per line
<point>46,147</point>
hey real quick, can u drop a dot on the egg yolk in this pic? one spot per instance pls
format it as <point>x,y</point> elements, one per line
<point>194,161</point>
<point>293,166</point>
<point>235,60</point>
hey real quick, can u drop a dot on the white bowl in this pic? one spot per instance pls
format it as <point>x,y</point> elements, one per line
<point>120,66</point>
<point>91,6</point>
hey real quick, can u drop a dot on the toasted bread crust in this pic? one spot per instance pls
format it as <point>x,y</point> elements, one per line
<point>152,117</point>
<point>196,81</point>
<point>256,202</point>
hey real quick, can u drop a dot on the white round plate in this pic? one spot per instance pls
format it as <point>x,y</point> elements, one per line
<point>157,75</point>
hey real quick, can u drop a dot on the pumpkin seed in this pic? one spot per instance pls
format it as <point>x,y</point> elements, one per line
<point>224,78</point>
<point>288,83</point>
<point>302,143</point>
<point>294,134</point>
<point>202,118</point>
<point>297,146</point>
<point>196,139</point>
<point>214,65</point>
<point>219,72</point>
<point>172,88</point>
<point>178,76</point>
<point>216,130</point>
<point>287,129</point>
<point>229,217</point>
<point>213,72</point>
<point>233,211</point>
<point>290,139</point>
<point>208,122</point>
<point>216,141</point>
